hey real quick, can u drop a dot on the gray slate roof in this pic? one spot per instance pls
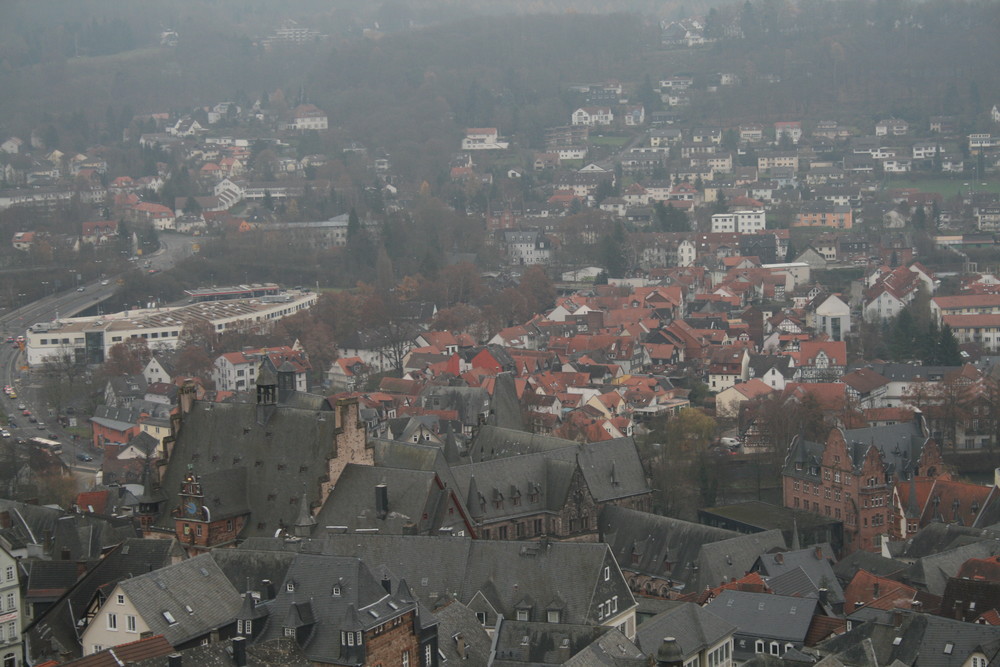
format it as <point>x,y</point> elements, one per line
<point>457,623</point>
<point>53,634</point>
<point>198,584</point>
<point>695,628</point>
<point>291,448</point>
<point>497,574</point>
<point>815,563</point>
<point>417,504</point>
<point>323,594</point>
<point>777,617</point>
<point>920,639</point>
<point>284,652</point>
<point>644,542</point>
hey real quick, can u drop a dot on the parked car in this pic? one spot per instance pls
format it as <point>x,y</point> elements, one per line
<point>40,426</point>
<point>84,457</point>
<point>4,433</point>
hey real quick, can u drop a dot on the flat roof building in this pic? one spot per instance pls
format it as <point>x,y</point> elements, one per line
<point>88,339</point>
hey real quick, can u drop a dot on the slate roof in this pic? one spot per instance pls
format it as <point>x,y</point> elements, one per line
<point>50,579</point>
<point>815,564</point>
<point>248,569</point>
<point>53,634</point>
<point>293,446</point>
<point>777,617</point>
<point>416,503</point>
<point>520,642</point>
<point>643,542</point>
<point>847,567</point>
<point>323,594</point>
<point>695,629</point>
<point>612,649</point>
<point>284,652</point>
<point>931,572</point>
<point>457,623</point>
<point>197,584</point>
<point>444,567</point>
<point>730,559</point>
<point>919,639</point>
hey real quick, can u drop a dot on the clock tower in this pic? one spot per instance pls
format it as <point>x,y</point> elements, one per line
<point>206,522</point>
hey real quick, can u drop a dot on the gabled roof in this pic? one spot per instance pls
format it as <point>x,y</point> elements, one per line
<point>695,628</point>
<point>766,616</point>
<point>185,600</point>
<point>53,634</point>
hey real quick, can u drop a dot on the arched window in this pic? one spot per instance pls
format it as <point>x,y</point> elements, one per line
<point>10,660</point>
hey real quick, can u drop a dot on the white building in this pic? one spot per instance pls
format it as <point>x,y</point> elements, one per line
<point>592,116</point>
<point>89,339</point>
<point>12,616</point>
<point>741,222</point>
<point>526,247</point>
<point>833,317</point>
<point>483,139</point>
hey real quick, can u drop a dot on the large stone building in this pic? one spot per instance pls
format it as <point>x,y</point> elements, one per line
<point>851,477</point>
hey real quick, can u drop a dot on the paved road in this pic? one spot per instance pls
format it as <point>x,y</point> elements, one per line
<point>174,247</point>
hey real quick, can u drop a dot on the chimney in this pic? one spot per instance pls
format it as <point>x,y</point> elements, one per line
<point>875,590</point>
<point>818,553</point>
<point>897,617</point>
<point>779,559</point>
<point>381,500</point>
<point>64,553</point>
<point>824,596</point>
<point>240,651</point>
<point>387,584</point>
<point>175,660</point>
<point>460,646</point>
<point>996,481</point>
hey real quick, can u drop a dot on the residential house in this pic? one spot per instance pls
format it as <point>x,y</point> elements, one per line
<point>308,117</point>
<point>592,116</point>
<point>188,603</point>
<point>823,213</point>
<point>728,401</point>
<point>833,317</point>
<point>701,637</point>
<point>766,624</point>
<point>483,139</point>
<point>348,374</point>
<point>14,618</point>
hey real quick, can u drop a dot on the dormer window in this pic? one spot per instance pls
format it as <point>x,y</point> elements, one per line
<point>290,587</point>
<point>336,591</point>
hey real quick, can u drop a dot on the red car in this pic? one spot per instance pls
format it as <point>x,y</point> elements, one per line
<point>26,413</point>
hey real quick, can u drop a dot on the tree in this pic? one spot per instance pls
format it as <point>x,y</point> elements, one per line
<point>127,358</point>
<point>191,206</point>
<point>690,431</point>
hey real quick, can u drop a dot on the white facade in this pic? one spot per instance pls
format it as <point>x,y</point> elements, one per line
<point>483,139</point>
<point>833,316</point>
<point>89,339</point>
<point>592,116</point>
<point>12,614</point>
<point>740,222</point>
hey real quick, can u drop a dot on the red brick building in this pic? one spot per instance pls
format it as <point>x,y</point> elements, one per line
<point>852,476</point>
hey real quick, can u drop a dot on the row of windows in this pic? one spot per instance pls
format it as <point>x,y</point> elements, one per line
<point>8,632</point>
<point>607,608</point>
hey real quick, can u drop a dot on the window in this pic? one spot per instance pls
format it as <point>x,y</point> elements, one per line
<point>552,616</point>
<point>290,587</point>
<point>11,601</point>
<point>239,626</point>
<point>522,614</point>
<point>121,599</point>
<point>248,627</point>
<point>481,617</point>
<point>775,648</point>
<point>428,654</point>
<point>607,573</point>
<point>759,646</point>
<point>290,632</point>
<point>112,621</point>
<point>9,574</point>
<point>406,659</point>
<point>130,623</point>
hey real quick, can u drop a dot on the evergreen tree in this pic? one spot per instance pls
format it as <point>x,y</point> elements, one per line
<point>948,352</point>
<point>353,224</point>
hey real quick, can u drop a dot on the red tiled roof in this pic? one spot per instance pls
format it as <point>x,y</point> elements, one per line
<point>123,654</point>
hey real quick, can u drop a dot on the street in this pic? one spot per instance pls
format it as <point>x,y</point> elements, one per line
<point>28,383</point>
